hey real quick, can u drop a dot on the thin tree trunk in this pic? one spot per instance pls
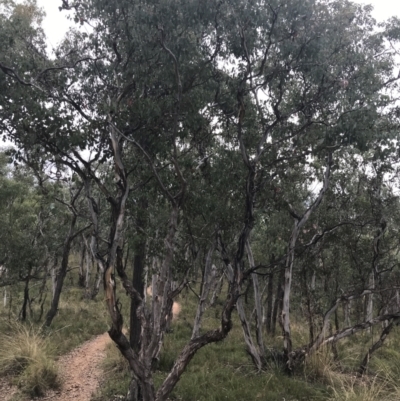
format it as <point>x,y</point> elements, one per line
<point>369,300</point>
<point>218,284</point>
<point>298,225</point>
<point>208,279</point>
<point>258,302</point>
<point>309,303</point>
<point>62,272</point>
<point>88,269</point>
<point>378,344</point>
<point>347,313</point>
<point>97,282</point>
<point>53,274</point>
<point>278,301</point>
<point>269,303</point>
<point>26,295</point>
<point>5,297</point>
<point>138,274</point>
<point>81,279</point>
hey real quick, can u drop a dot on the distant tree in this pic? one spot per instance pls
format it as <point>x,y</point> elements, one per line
<point>216,117</point>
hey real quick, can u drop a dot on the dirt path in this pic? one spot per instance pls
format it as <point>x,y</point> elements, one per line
<point>80,370</point>
<point>6,389</point>
<point>80,373</point>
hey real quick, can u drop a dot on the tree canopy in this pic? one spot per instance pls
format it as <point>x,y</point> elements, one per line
<point>262,135</point>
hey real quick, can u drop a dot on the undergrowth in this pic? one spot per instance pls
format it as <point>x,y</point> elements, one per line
<point>28,356</point>
<point>29,351</point>
<point>218,372</point>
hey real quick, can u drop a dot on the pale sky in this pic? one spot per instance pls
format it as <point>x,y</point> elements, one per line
<point>56,24</point>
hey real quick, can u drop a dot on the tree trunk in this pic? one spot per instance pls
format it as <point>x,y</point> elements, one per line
<point>278,301</point>
<point>62,272</point>
<point>258,303</point>
<point>369,300</point>
<point>269,303</point>
<point>81,279</point>
<point>208,280</point>
<point>138,274</point>
<point>385,332</point>
<point>26,296</point>
<point>218,284</point>
<point>97,282</point>
<point>53,275</point>
<point>308,289</point>
<point>298,225</point>
<point>5,297</point>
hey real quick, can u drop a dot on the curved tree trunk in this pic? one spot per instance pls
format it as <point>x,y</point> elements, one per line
<point>138,274</point>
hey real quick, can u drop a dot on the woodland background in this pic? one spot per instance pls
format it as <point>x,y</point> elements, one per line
<point>238,157</point>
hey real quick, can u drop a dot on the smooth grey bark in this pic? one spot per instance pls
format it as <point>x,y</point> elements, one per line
<point>5,294</point>
<point>208,280</point>
<point>251,346</point>
<point>258,304</point>
<point>139,259</point>
<point>299,223</point>
<point>278,300</point>
<point>217,288</point>
<point>53,275</point>
<point>369,299</point>
<point>269,303</point>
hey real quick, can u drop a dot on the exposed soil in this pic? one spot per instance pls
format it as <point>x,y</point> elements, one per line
<point>80,373</point>
<point>80,370</point>
<point>6,389</point>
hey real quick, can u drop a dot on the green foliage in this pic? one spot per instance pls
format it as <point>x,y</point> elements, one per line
<point>226,110</point>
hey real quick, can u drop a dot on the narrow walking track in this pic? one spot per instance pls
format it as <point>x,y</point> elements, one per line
<point>80,370</point>
<point>80,373</point>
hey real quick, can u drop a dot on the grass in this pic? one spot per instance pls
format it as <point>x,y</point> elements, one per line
<point>28,356</point>
<point>218,372</point>
<point>29,352</point>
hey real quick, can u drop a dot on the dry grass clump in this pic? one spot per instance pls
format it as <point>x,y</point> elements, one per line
<point>382,385</point>
<point>372,388</point>
<point>321,366</point>
<point>28,357</point>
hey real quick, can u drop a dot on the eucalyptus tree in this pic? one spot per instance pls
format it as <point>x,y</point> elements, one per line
<point>26,243</point>
<point>170,91</point>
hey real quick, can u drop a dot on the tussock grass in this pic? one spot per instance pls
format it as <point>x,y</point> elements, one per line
<point>27,355</point>
<point>380,387</point>
<point>218,372</point>
<point>78,320</point>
